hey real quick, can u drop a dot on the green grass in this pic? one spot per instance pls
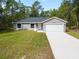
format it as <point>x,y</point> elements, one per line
<point>74,34</point>
<point>14,45</point>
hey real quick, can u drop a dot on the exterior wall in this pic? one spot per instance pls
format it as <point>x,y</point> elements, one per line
<point>33,28</point>
<point>25,26</point>
<point>44,27</point>
<point>28,26</point>
<point>65,28</point>
<point>15,26</point>
<point>39,26</point>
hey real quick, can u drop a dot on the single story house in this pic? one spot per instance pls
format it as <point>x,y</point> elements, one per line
<point>54,24</point>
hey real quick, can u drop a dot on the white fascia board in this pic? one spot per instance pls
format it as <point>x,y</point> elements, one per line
<point>27,22</point>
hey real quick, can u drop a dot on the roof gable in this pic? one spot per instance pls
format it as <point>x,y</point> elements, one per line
<point>56,18</point>
<point>54,22</point>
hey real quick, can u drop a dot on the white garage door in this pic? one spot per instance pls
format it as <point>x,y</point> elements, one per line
<point>55,28</point>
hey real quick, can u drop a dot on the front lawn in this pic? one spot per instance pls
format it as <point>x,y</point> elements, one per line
<point>73,33</point>
<point>24,44</point>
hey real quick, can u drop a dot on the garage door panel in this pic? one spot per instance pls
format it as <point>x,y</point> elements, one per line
<point>55,28</point>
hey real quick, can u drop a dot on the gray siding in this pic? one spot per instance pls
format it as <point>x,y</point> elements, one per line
<point>54,22</point>
<point>25,26</point>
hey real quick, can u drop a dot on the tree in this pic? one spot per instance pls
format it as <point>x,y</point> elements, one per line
<point>76,10</point>
<point>42,14</point>
<point>65,10</point>
<point>2,18</point>
<point>27,11</point>
<point>35,9</point>
<point>53,12</point>
<point>10,13</point>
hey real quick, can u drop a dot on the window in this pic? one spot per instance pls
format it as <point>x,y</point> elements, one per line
<point>19,25</point>
<point>32,25</point>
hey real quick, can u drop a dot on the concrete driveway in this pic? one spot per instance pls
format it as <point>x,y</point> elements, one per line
<point>63,45</point>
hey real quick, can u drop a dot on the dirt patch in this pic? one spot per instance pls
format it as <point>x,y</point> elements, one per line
<point>44,53</point>
<point>76,30</point>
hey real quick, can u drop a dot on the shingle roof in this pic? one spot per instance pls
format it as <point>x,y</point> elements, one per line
<point>38,20</point>
<point>33,19</point>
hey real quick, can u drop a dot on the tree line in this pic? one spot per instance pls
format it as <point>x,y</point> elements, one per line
<point>10,11</point>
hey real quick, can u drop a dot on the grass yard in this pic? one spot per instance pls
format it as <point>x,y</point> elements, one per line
<point>27,44</point>
<point>73,33</point>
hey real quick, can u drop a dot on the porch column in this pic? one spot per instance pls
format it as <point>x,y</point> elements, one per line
<point>35,27</point>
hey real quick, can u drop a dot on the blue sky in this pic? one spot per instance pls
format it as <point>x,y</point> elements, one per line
<point>46,4</point>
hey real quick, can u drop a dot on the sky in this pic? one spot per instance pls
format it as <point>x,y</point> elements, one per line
<point>46,4</point>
